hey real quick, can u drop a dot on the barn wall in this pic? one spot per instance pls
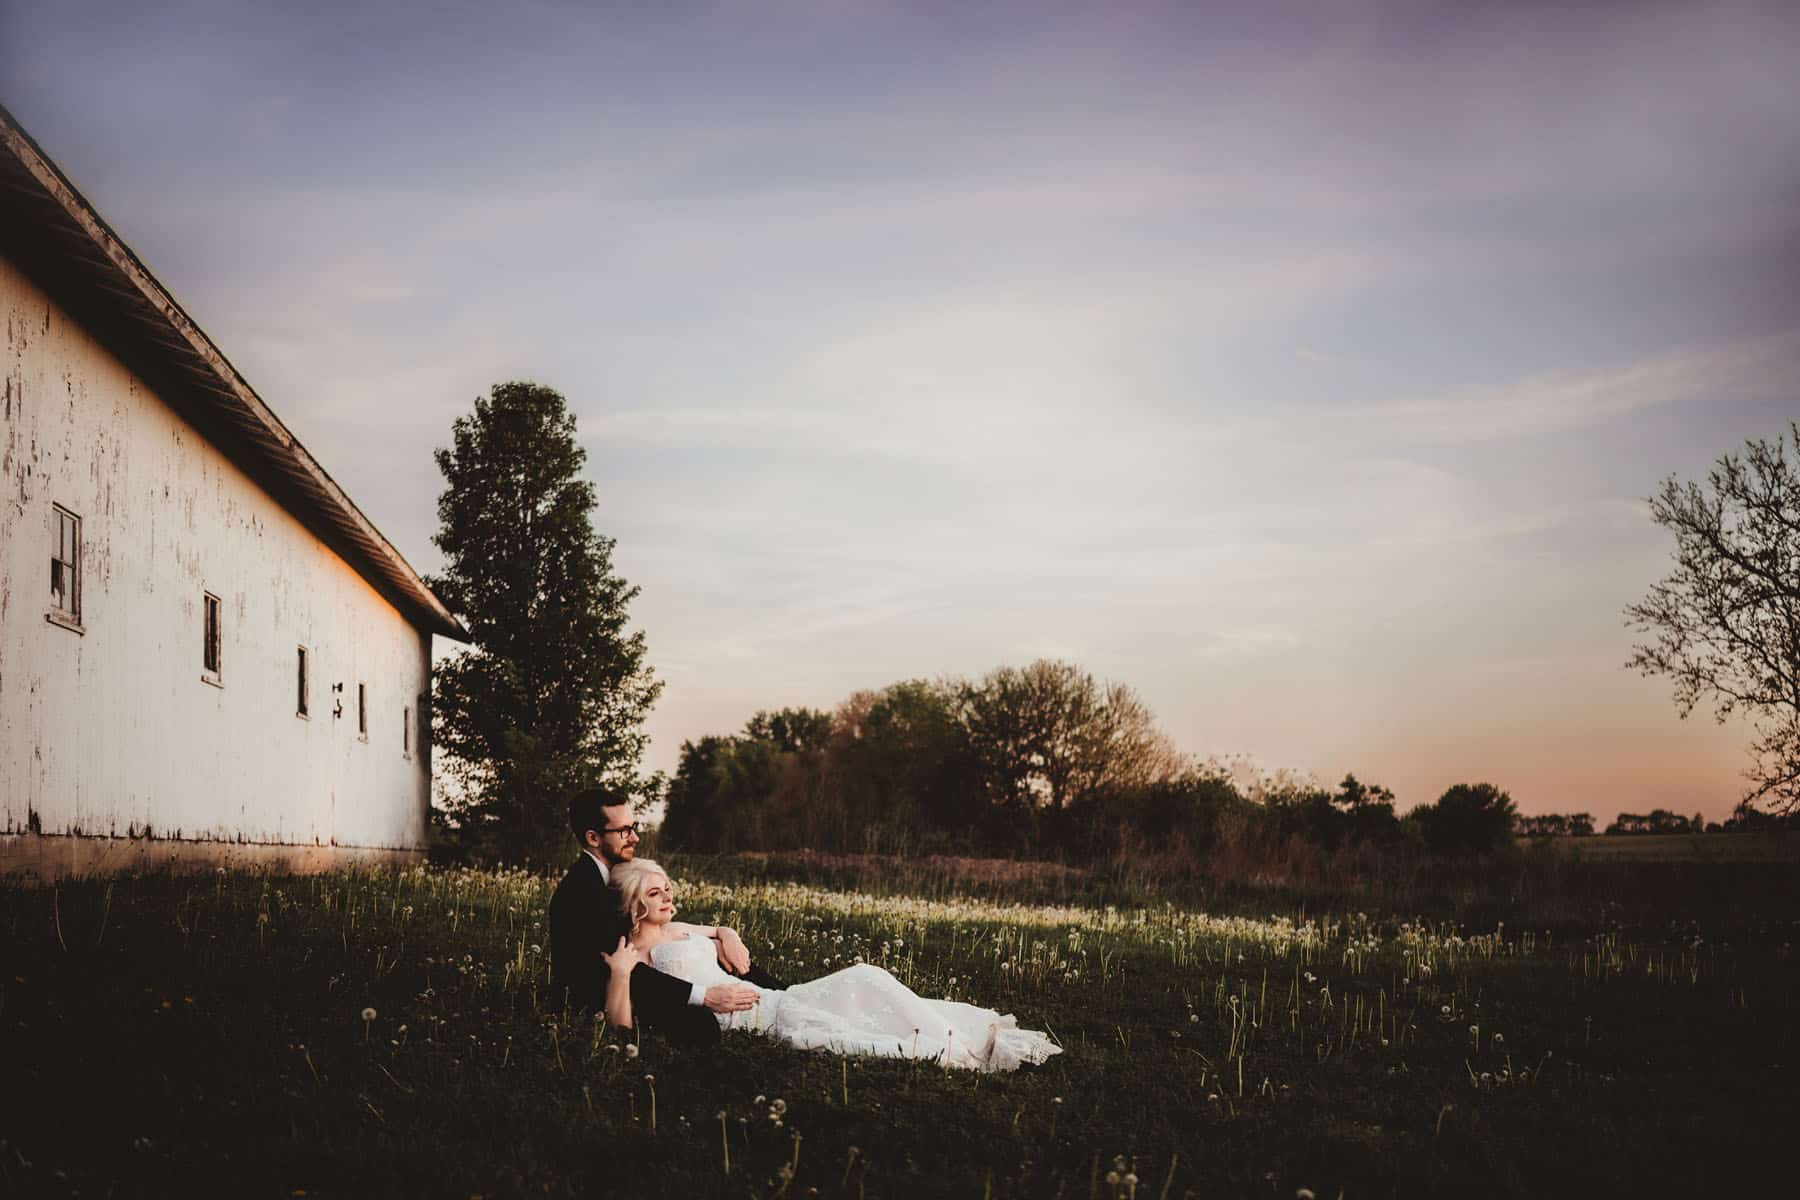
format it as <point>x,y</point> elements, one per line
<point>113,731</point>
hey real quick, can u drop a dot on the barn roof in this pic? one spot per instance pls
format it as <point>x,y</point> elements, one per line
<point>55,236</point>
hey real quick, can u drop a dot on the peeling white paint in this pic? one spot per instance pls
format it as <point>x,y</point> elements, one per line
<point>112,731</point>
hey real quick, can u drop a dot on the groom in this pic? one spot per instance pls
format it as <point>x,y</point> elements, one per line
<point>585,921</point>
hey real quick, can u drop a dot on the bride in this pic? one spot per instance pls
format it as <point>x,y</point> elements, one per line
<point>858,1010</point>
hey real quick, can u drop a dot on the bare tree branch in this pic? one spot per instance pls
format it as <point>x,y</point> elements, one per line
<point>1725,624</point>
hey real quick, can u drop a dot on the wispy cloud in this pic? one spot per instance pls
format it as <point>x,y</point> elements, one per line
<point>1567,401</point>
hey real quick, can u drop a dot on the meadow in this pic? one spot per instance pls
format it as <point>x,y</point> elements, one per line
<point>391,1034</point>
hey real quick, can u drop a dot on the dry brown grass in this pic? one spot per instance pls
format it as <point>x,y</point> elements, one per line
<point>1781,846</point>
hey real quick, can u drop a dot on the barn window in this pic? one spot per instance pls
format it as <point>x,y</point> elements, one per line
<point>209,654</point>
<point>406,732</point>
<point>65,567</point>
<point>302,684</point>
<point>362,711</point>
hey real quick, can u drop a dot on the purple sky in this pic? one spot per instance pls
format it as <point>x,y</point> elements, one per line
<point>1305,369</point>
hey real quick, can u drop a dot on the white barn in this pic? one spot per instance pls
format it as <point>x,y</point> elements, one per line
<point>207,653</point>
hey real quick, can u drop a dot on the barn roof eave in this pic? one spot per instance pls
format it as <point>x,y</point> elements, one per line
<point>63,243</point>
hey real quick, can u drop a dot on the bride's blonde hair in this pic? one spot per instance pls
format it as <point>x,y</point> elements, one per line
<point>631,880</point>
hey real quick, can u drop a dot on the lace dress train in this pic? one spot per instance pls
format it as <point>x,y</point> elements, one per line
<point>863,1010</point>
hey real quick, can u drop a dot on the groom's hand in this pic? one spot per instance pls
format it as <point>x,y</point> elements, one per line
<point>734,956</point>
<point>730,997</point>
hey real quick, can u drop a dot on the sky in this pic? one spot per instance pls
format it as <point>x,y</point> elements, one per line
<point>1306,367</point>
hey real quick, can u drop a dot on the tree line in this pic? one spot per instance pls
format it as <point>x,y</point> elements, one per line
<point>1040,761</point>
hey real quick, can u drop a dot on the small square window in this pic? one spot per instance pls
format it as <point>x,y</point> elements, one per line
<point>65,567</point>
<point>209,654</point>
<point>302,684</point>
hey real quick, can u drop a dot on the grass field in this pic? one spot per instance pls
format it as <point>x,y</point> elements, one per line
<point>1761,847</point>
<point>167,1035</point>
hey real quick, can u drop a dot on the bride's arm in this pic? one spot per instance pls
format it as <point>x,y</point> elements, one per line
<point>734,956</point>
<point>620,964</point>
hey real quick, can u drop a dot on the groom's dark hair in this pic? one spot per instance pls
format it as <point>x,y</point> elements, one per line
<point>585,806</point>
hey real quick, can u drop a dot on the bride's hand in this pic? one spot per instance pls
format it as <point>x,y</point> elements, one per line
<point>624,957</point>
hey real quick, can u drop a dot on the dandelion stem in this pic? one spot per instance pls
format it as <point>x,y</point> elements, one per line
<point>849,1165</point>
<point>105,912</point>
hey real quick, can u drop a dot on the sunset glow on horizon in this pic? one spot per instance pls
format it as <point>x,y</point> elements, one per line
<point>1307,371</point>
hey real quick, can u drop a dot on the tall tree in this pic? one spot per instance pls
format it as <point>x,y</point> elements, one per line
<point>1467,819</point>
<point>554,691</point>
<point>1048,734</point>
<point>1725,625</point>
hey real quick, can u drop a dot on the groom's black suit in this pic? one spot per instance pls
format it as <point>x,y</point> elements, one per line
<point>585,921</point>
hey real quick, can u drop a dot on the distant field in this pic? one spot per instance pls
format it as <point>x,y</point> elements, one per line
<point>1683,847</point>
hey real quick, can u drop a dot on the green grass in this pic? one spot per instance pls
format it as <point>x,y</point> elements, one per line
<point>178,1035</point>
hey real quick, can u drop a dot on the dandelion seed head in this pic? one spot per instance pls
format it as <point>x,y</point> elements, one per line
<point>368,1014</point>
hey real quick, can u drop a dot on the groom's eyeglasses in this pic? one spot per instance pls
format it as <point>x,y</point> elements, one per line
<point>633,829</point>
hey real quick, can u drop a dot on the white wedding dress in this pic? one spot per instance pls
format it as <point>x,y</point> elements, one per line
<point>866,1011</point>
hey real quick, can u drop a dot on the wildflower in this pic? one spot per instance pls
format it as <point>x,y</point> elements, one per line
<point>368,1014</point>
<point>778,1107</point>
<point>1499,1039</point>
<point>649,1078</point>
<point>631,1050</point>
<point>1304,1194</point>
